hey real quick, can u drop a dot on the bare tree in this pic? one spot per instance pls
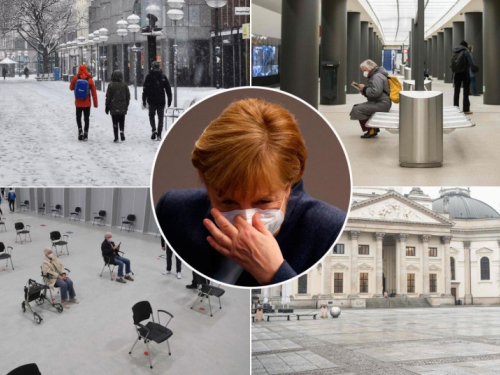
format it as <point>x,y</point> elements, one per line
<point>41,23</point>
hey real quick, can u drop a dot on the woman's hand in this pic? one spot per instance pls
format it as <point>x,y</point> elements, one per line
<point>361,87</point>
<point>253,247</point>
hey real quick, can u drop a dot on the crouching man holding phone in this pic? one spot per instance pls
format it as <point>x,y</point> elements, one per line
<point>111,251</point>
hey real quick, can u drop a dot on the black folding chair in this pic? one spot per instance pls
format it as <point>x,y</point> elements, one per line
<point>99,218</point>
<point>75,214</point>
<point>6,253</point>
<point>206,290</point>
<point>22,229</point>
<point>151,331</point>
<point>56,210</point>
<point>58,240</point>
<point>129,220</point>
<point>30,369</point>
<point>25,206</point>
<point>2,223</point>
<point>108,264</point>
<point>42,209</point>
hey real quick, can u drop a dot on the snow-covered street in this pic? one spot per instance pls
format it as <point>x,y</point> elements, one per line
<point>39,144</point>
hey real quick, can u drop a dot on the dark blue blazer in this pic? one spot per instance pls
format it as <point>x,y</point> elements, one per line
<point>308,232</point>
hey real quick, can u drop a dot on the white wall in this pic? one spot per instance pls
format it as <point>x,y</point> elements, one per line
<point>266,22</point>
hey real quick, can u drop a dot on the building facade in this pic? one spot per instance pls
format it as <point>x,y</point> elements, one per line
<point>18,50</point>
<point>445,250</point>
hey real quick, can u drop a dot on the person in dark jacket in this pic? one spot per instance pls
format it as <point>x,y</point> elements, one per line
<point>377,92</point>
<point>26,72</point>
<point>83,105</point>
<point>169,254</point>
<point>473,86</point>
<point>4,72</point>
<point>117,102</point>
<point>12,199</point>
<point>460,78</point>
<point>252,223</point>
<point>110,250</point>
<point>155,87</point>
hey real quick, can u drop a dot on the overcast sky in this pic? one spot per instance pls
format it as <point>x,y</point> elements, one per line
<point>489,195</point>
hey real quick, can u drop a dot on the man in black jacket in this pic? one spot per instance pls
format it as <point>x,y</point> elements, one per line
<point>155,87</point>
<point>111,251</point>
<point>169,260</point>
<point>461,76</point>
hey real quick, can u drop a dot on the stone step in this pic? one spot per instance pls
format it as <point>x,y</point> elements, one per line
<point>396,302</point>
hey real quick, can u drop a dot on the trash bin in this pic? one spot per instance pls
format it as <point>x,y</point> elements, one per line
<point>57,74</point>
<point>328,82</point>
<point>421,129</point>
<point>409,85</point>
<point>407,73</point>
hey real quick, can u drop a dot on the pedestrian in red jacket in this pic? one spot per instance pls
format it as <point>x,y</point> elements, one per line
<point>83,85</point>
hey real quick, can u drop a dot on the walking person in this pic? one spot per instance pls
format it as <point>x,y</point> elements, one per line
<point>26,72</point>
<point>461,62</point>
<point>83,86</point>
<point>12,199</point>
<point>1,212</point>
<point>178,263</point>
<point>472,74</point>
<point>155,87</point>
<point>117,102</point>
<point>4,72</point>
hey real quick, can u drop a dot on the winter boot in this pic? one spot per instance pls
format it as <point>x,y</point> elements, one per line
<point>80,134</point>
<point>122,136</point>
<point>158,136</point>
<point>115,131</point>
<point>153,136</point>
<point>85,137</point>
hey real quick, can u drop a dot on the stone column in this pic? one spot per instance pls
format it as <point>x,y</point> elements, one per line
<point>448,51</point>
<point>474,36</point>
<point>424,239</point>
<point>300,37</point>
<point>364,44</point>
<point>353,50</point>
<point>491,52</point>
<point>326,275</point>
<point>379,264</point>
<point>353,236</point>
<point>440,56</point>
<point>445,240</point>
<point>434,56</point>
<point>371,41</point>
<point>401,238</point>
<point>428,61</point>
<point>468,293</point>
<point>458,33</point>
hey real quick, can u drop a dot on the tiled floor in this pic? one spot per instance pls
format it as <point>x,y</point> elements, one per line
<point>454,340</point>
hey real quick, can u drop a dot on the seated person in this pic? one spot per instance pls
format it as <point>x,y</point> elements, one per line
<point>110,250</point>
<point>55,274</point>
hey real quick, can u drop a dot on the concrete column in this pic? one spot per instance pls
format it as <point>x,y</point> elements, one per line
<point>353,236</point>
<point>334,41</point>
<point>448,51</point>
<point>412,33</point>
<point>353,50</point>
<point>33,206</point>
<point>418,44</point>
<point>371,41</point>
<point>66,207</point>
<point>326,276</point>
<point>434,56</point>
<point>364,43</point>
<point>468,294</point>
<point>300,37</point>
<point>424,239</point>
<point>114,210</point>
<point>426,55</point>
<point>379,264</point>
<point>458,33</point>
<point>491,52</point>
<point>88,204</point>
<point>474,36</point>
<point>429,56</point>
<point>401,238</point>
<point>440,56</point>
<point>445,240</point>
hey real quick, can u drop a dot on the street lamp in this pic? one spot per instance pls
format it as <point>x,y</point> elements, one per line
<point>103,36</point>
<point>217,4</point>
<point>26,58</point>
<point>91,42</point>
<point>97,39</point>
<point>122,31</point>
<point>175,14</point>
<point>133,27</point>
<point>19,54</point>
<point>152,15</point>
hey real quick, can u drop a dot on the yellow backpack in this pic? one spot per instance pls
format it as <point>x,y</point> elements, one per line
<point>395,88</point>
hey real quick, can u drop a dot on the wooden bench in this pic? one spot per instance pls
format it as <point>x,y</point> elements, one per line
<point>313,315</point>
<point>279,316</point>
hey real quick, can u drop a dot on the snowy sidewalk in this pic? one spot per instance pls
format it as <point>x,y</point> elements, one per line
<point>39,144</point>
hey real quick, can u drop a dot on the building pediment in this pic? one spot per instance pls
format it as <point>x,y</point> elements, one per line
<point>394,207</point>
<point>412,267</point>
<point>339,266</point>
<point>434,267</point>
<point>484,251</point>
<point>454,251</point>
<point>365,266</point>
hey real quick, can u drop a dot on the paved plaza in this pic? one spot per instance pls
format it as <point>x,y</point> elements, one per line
<point>454,340</point>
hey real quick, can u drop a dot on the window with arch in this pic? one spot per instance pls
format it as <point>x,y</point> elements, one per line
<point>485,268</point>
<point>303,284</point>
<point>452,268</point>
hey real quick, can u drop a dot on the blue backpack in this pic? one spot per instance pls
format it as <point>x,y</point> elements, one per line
<point>82,88</point>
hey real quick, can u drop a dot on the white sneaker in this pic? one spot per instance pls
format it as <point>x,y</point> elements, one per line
<point>166,273</point>
<point>178,275</point>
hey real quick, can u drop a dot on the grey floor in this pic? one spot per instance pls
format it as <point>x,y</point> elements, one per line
<point>95,336</point>
<point>454,340</point>
<point>469,154</point>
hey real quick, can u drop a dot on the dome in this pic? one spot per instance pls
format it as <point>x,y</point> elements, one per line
<point>459,204</point>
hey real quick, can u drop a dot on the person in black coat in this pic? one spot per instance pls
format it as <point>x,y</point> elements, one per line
<point>111,251</point>
<point>4,72</point>
<point>155,87</point>
<point>169,260</point>
<point>463,77</point>
<point>117,102</point>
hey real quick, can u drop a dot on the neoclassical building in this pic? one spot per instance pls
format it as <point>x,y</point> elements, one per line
<point>444,250</point>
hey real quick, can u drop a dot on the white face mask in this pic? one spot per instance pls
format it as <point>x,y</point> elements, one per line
<point>272,218</point>
<point>51,256</point>
<point>365,73</point>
